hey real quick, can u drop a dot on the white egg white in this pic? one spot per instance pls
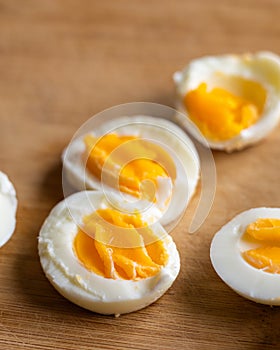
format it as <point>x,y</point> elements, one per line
<point>166,134</point>
<point>225,253</point>
<point>8,208</point>
<point>83,287</point>
<point>262,67</point>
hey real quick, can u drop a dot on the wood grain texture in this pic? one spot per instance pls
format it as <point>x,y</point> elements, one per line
<point>62,61</point>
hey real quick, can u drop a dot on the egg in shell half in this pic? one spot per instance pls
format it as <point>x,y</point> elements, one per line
<point>8,208</point>
<point>245,253</point>
<point>232,100</point>
<point>138,158</point>
<point>103,259</point>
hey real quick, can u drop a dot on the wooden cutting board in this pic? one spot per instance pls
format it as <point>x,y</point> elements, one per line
<point>62,62</point>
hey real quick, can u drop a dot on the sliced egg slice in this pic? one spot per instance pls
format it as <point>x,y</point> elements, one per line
<point>234,100</point>
<point>142,157</point>
<point>105,260</point>
<point>8,207</point>
<point>245,253</point>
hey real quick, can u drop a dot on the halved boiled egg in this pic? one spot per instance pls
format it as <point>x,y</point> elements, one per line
<point>234,100</point>
<point>246,255</point>
<point>103,259</point>
<point>8,208</point>
<point>139,157</point>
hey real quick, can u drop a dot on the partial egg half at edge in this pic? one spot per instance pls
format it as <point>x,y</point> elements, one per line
<point>139,157</point>
<point>89,258</point>
<point>8,208</point>
<point>245,253</point>
<point>234,100</point>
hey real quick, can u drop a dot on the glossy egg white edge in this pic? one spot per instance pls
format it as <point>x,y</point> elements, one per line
<point>263,67</point>
<point>244,279</point>
<point>168,134</point>
<point>85,288</point>
<point>8,208</point>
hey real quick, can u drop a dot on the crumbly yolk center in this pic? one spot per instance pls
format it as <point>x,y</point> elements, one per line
<point>266,232</point>
<point>99,256</point>
<point>221,114</point>
<point>135,162</point>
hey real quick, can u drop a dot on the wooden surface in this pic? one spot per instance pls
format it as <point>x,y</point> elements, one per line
<point>60,63</point>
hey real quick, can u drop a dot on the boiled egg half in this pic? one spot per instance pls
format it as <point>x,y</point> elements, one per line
<point>8,208</point>
<point>245,253</point>
<point>103,259</point>
<point>140,158</point>
<point>234,100</point>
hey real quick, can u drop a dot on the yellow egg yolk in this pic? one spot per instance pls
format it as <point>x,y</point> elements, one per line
<point>136,163</point>
<point>109,261</point>
<point>267,255</point>
<point>220,114</point>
